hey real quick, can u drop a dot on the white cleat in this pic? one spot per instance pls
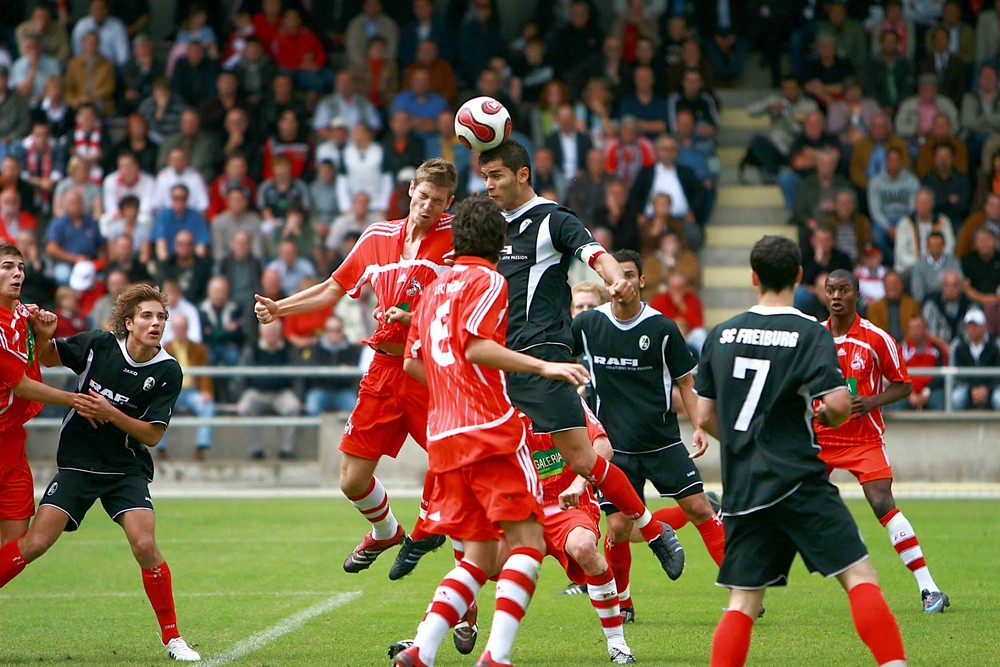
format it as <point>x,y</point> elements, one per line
<point>178,649</point>
<point>621,654</point>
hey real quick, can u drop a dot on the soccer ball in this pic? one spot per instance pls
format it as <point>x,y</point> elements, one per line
<point>482,124</point>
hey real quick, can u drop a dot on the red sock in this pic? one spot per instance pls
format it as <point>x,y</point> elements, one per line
<point>731,641</point>
<point>619,556</point>
<point>875,623</point>
<point>672,516</point>
<point>618,490</point>
<point>419,531</point>
<point>714,537</point>
<point>11,562</point>
<point>156,581</point>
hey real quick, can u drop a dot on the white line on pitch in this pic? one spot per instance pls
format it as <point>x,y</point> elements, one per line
<point>195,594</point>
<point>259,640</point>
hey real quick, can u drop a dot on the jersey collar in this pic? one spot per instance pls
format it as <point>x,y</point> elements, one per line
<point>779,310</point>
<point>162,355</point>
<point>511,216</point>
<point>853,330</point>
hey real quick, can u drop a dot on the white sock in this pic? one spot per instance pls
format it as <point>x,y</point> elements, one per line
<point>374,506</point>
<point>451,601</point>
<point>515,587</point>
<point>904,540</point>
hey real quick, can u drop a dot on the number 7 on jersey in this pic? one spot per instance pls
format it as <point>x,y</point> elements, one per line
<point>760,368</point>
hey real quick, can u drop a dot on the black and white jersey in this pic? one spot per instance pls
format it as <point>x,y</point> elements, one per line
<point>633,365</point>
<point>146,391</point>
<point>542,239</point>
<point>763,368</point>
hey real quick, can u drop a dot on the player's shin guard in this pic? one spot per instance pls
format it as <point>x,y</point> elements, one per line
<point>12,563</point>
<point>731,641</point>
<point>672,516</point>
<point>159,590</point>
<point>904,541</point>
<point>604,597</point>
<point>714,537</point>
<point>514,590</point>
<point>451,600</point>
<point>419,528</point>
<point>374,506</point>
<point>618,490</point>
<point>875,624</point>
<point>619,556</point>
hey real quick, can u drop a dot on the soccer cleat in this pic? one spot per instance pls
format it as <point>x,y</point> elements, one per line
<point>573,589</point>
<point>365,553</point>
<point>396,648</point>
<point>408,657</point>
<point>466,632</point>
<point>178,649</point>
<point>411,552</point>
<point>627,614</point>
<point>715,500</point>
<point>621,654</point>
<point>669,552</point>
<point>934,602</point>
<point>486,660</point>
<point>760,614</point>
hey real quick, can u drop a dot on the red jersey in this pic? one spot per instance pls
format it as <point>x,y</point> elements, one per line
<point>377,259</point>
<point>17,358</point>
<point>555,475</point>
<point>466,400</point>
<point>869,360</point>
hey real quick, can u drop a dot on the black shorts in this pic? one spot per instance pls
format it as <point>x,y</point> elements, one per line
<point>812,521</point>
<point>671,471</point>
<point>552,405</point>
<point>75,492</point>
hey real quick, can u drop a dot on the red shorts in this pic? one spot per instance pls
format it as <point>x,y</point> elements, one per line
<point>391,404</point>
<point>469,503</point>
<point>17,491</point>
<point>557,528</point>
<point>866,462</point>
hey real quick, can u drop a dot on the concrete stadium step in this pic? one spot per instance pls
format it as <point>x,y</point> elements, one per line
<point>735,216</point>
<point>715,316</point>
<point>730,156</point>
<point>725,256</point>
<point>750,196</point>
<point>726,277</point>
<point>738,118</point>
<point>739,298</point>
<point>744,236</point>
<point>743,95</point>
<point>735,136</point>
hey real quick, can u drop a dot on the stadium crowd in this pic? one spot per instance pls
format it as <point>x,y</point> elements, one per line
<point>249,152</point>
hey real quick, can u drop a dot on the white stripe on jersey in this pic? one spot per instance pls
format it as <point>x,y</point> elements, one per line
<point>7,345</point>
<point>668,382</point>
<point>890,344</point>
<point>478,427</point>
<point>486,302</point>
<point>546,256</point>
<point>528,467</point>
<point>373,271</point>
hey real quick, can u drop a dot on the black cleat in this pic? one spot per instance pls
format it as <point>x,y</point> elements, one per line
<point>935,602</point>
<point>573,589</point>
<point>365,553</point>
<point>396,648</point>
<point>669,552</point>
<point>466,632</point>
<point>627,614</point>
<point>410,554</point>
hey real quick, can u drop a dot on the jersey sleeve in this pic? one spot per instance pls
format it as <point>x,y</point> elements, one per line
<point>351,275</point>
<point>890,359</point>
<point>821,370</point>
<point>73,351</point>
<point>485,305</point>
<point>570,237</point>
<point>704,384</point>
<point>11,368</point>
<point>162,406</point>
<point>679,359</point>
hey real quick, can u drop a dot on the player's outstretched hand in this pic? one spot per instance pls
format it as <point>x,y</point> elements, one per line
<point>621,291</point>
<point>93,407</point>
<point>43,321</point>
<point>575,374</point>
<point>265,309</point>
<point>700,442</point>
<point>394,314</point>
<point>861,405</point>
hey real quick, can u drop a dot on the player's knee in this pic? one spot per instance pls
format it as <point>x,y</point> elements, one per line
<point>144,549</point>
<point>590,559</point>
<point>698,509</point>
<point>619,527</point>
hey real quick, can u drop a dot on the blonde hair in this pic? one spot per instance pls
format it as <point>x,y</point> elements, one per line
<point>589,286</point>
<point>127,304</point>
<point>439,172</point>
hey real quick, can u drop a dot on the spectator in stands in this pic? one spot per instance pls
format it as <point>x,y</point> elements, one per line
<point>421,104</point>
<point>851,40</point>
<point>291,267</point>
<point>29,73</point>
<point>401,147</point>
<point>51,33</point>
<point>950,187</point>
<point>425,27</point>
<point>235,218</point>
<point>221,324</point>
<point>332,350</point>
<point>686,191</point>
<point>850,117</point>
<point>295,227</point>
<point>803,154</point>
<point>698,154</point>
<point>569,146</point>
<point>914,229</point>
<point>193,28</point>
<point>138,75</point>
<point>981,268</point>
<point>356,219</point>
<point>197,394</point>
<point>180,306</point>
<point>43,163</point>
<point>889,76</point>
<point>36,287</point>
<point>941,134</point>
<point>445,144</point>
<point>363,160</point>
<point>15,119</point>
<point>346,104</point>
<point>684,307</point>
<point>976,349</point>
<point>491,84</point>
<point>242,269</point>
<point>53,109</point>
<point>123,256</point>
<point>378,76</point>
<point>179,216</point>
<point>199,145</point>
<point>290,142</point>
<point>987,33</point>
<point>925,278</point>
<point>131,222</point>
<point>332,150</point>
<point>825,73</point>
<point>981,112</point>
<point>238,138</point>
<point>278,195</point>
<point>822,258</point>
<point>302,330</point>
<point>988,217</point>
<point>988,182</point>
<point>71,318</point>
<point>532,70</point>
<point>695,98</point>
<point>944,309</point>
<point>100,315</point>
<point>635,22</point>
<point>10,179</point>
<point>948,69</point>
<point>649,110</point>
<point>961,37</point>
<point>440,71</point>
<point>13,219</point>
<point>815,196</point>
<point>267,22</point>
<point>255,71</point>
<point>233,177</point>
<point>890,196</point>
<point>270,394</point>
<point>670,257</point>
<point>918,351</point>
<point>608,67</point>
<point>76,179</point>
<point>162,111</point>
<point>652,227</point>
<point>852,230</point>
<point>179,172</point>
<point>916,113</point>
<point>138,143</point>
<point>195,74</point>
<point>90,77</point>
<point>323,196</point>
<point>127,181</point>
<point>190,270</point>
<point>616,215</point>
<point>892,312</point>
<point>723,27</point>
<point>572,44</point>
<point>362,28</point>
<point>213,110</point>
<point>546,175</point>
<point>769,151</point>
<point>297,49</point>
<point>871,153</point>
<point>112,33</point>
<point>71,238</point>
<point>586,191</point>
<point>89,143</point>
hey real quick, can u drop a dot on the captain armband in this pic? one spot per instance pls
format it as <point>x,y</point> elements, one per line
<point>590,252</point>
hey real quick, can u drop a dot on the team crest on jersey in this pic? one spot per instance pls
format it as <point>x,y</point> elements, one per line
<point>148,384</point>
<point>644,342</point>
<point>858,362</point>
<point>348,426</point>
<point>414,288</point>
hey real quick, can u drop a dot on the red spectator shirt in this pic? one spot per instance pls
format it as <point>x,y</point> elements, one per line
<point>298,152</point>
<point>626,161</point>
<point>9,229</point>
<point>470,416</point>
<point>692,312</point>
<point>377,259</point>
<point>289,49</point>
<point>17,358</point>
<point>870,361</point>
<point>220,187</point>
<point>921,356</point>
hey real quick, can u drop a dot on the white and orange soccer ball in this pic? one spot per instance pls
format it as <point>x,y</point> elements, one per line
<point>482,124</point>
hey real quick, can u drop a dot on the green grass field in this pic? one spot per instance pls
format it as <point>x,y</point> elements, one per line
<point>259,582</point>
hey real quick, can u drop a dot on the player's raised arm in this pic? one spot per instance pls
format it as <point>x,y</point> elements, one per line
<point>32,390</point>
<point>317,297</point>
<point>611,271</point>
<point>490,353</point>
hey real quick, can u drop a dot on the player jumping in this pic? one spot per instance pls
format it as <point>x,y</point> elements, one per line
<point>484,479</point>
<point>759,374</point>
<point>876,375</point>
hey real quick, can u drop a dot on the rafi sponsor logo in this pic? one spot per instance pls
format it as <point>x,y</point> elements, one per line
<point>148,383</point>
<point>615,361</point>
<point>112,396</point>
<point>53,487</point>
<point>644,342</point>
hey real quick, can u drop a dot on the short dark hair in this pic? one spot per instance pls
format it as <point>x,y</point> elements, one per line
<point>936,235</point>
<point>844,274</point>
<point>128,200</point>
<point>776,261</point>
<point>629,255</point>
<point>511,153</point>
<point>479,228</point>
<point>9,250</point>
